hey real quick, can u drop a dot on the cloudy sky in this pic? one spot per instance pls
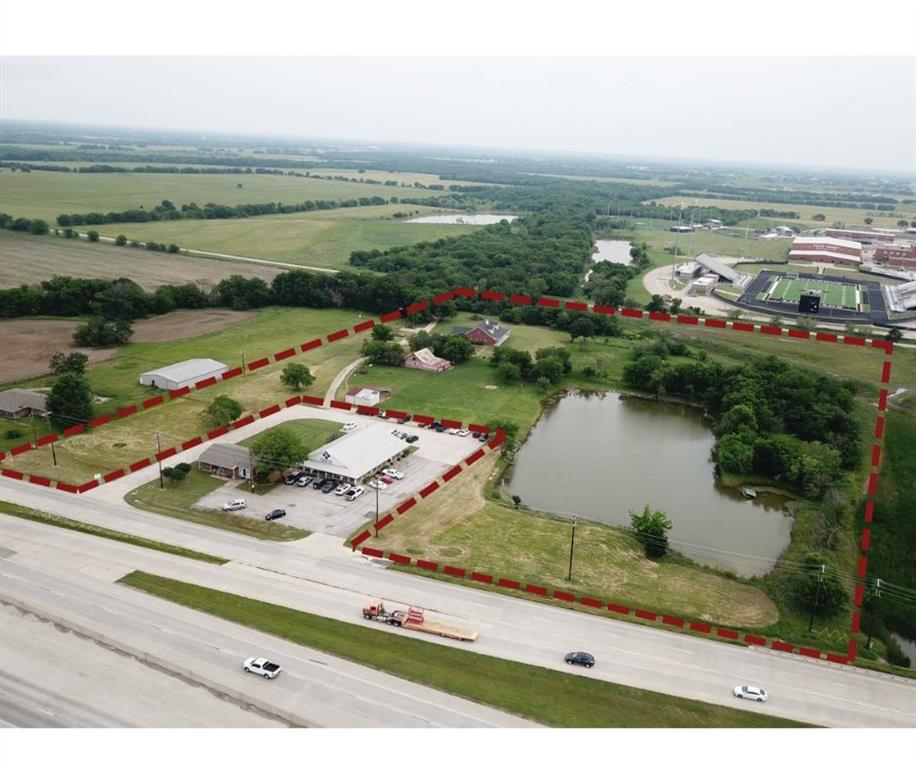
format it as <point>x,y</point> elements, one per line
<point>855,113</point>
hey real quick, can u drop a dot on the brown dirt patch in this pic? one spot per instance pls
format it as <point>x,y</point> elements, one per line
<point>28,343</point>
<point>30,259</point>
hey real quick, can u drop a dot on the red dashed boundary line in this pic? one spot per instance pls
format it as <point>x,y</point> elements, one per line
<point>543,301</point>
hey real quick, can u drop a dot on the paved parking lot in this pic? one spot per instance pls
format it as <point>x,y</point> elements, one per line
<point>331,514</point>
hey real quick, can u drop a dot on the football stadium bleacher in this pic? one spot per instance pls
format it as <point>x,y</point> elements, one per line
<point>901,298</point>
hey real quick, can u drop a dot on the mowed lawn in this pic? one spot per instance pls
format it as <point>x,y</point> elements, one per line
<point>48,194</point>
<point>315,238</point>
<point>458,526</point>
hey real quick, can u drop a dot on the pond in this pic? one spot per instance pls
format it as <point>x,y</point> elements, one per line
<point>474,219</point>
<point>615,251</point>
<point>599,455</point>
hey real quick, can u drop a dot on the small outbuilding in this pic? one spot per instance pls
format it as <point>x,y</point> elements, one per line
<point>367,395</point>
<point>226,460</point>
<point>20,403</point>
<point>425,360</point>
<point>184,374</point>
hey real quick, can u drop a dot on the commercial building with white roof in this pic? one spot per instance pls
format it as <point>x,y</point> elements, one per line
<point>184,374</point>
<point>356,455</point>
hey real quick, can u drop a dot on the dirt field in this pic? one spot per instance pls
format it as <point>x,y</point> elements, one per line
<point>30,259</point>
<point>28,343</point>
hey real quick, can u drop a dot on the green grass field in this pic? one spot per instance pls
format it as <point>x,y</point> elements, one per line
<point>545,696</point>
<point>839,295</point>
<point>45,195</point>
<point>314,239</point>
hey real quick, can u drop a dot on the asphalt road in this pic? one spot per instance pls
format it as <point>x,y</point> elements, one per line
<point>318,575</point>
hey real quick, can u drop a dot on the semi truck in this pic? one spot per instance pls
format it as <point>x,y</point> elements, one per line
<point>415,619</point>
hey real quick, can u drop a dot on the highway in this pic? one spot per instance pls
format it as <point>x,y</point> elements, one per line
<point>318,575</point>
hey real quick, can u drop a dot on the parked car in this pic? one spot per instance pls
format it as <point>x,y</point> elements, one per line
<point>433,425</point>
<point>318,483</point>
<point>275,514</point>
<point>463,432</point>
<point>235,505</point>
<point>292,478</point>
<point>342,489</point>
<point>303,482</point>
<point>750,692</point>
<point>454,431</point>
<point>388,480</point>
<point>349,425</point>
<point>440,428</point>
<point>411,438</point>
<point>377,484</point>
<point>475,435</point>
<point>263,667</point>
<point>395,473</point>
<point>404,419</point>
<point>581,658</point>
<point>354,493</point>
<point>482,438</point>
<point>328,485</point>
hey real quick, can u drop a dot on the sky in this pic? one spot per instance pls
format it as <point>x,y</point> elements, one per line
<point>820,112</point>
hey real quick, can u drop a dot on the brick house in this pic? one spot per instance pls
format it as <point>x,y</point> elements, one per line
<point>488,332</point>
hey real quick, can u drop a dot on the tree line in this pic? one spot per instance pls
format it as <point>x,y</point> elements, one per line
<point>770,418</point>
<point>168,211</point>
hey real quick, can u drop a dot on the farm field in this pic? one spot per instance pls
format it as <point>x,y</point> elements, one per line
<point>850,216</point>
<point>45,195</point>
<point>459,526</point>
<point>315,238</point>
<point>614,179</point>
<point>26,259</point>
<point>401,177</point>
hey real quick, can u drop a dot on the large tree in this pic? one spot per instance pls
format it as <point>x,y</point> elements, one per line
<point>61,363</point>
<point>69,402</point>
<point>296,376</point>
<point>102,332</point>
<point>276,450</point>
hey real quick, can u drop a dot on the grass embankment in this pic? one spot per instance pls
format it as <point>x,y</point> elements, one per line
<point>46,518</point>
<point>176,500</point>
<point>457,525</point>
<point>549,697</point>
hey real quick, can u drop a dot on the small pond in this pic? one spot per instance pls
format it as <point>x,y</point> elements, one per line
<point>474,219</point>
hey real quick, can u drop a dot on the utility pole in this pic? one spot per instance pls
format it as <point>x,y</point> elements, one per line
<point>817,595</point>
<point>243,363</point>
<point>53,450</point>
<point>572,546</point>
<point>870,612</point>
<point>158,451</point>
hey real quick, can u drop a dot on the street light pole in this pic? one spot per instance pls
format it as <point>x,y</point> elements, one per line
<point>817,595</point>
<point>376,481</point>
<point>159,451</point>
<point>572,546</point>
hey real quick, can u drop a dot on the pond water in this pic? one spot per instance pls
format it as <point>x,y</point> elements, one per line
<point>908,647</point>
<point>475,219</point>
<point>616,251</point>
<point>600,455</point>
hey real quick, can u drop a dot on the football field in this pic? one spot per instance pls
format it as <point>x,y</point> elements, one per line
<point>833,294</point>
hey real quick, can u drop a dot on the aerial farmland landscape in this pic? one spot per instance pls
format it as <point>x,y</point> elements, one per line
<point>309,422</point>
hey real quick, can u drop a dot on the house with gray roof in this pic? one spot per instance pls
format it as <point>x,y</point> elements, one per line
<point>488,332</point>
<point>19,403</point>
<point>226,460</point>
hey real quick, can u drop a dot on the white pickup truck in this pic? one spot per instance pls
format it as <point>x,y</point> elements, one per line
<point>262,667</point>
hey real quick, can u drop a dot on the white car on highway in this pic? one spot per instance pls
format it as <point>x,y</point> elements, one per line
<point>262,667</point>
<point>349,425</point>
<point>750,692</point>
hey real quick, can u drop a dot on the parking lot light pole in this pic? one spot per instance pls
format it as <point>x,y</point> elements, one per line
<point>572,546</point>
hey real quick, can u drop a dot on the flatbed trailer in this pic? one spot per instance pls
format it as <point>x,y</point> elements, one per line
<point>415,619</point>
